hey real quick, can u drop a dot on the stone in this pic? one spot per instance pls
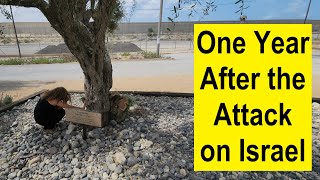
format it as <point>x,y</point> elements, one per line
<point>166,169</point>
<point>145,143</point>
<point>34,161</point>
<point>76,171</point>
<point>112,166</point>
<point>54,175</point>
<point>105,175</point>
<point>52,150</point>
<point>113,122</point>
<point>71,127</point>
<point>269,176</point>
<point>119,158</point>
<point>183,172</point>
<point>68,173</point>
<point>75,162</point>
<point>65,148</point>
<point>118,170</point>
<point>12,175</point>
<point>114,176</point>
<point>132,161</point>
<point>94,149</point>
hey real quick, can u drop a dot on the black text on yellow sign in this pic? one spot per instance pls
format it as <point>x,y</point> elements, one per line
<point>253,91</point>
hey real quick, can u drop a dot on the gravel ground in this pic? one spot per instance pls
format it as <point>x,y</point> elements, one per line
<point>156,143</point>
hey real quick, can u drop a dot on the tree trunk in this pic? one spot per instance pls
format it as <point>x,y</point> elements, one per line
<point>97,86</point>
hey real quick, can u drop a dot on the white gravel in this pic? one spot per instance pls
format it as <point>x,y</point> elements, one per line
<point>155,144</point>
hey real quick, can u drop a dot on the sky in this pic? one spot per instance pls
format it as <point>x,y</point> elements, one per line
<point>148,11</point>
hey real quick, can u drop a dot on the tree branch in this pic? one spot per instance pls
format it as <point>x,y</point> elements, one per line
<point>40,4</point>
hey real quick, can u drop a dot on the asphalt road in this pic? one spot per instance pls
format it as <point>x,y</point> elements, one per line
<point>183,64</point>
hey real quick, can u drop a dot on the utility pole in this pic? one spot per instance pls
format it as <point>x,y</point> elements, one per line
<point>15,31</point>
<point>305,19</point>
<point>159,28</point>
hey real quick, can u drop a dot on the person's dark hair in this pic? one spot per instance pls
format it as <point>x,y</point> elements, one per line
<point>59,93</point>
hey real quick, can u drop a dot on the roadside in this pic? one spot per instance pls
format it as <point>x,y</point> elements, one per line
<point>175,83</point>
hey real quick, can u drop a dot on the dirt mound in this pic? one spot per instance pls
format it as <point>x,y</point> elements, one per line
<point>113,48</point>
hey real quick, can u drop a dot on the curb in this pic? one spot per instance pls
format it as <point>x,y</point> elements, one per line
<point>20,101</point>
<point>149,93</point>
<point>143,93</point>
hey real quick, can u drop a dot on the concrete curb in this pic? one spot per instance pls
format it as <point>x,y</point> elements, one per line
<point>149,93</point>
<point>143,93</point>
<point>20,101</point>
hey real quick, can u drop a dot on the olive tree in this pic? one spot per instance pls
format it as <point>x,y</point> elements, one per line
<point>83,25</point>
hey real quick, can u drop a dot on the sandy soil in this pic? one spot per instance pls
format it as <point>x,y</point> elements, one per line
<point>181,83</point>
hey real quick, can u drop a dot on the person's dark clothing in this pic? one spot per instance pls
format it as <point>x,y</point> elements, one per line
<point>47,115</point>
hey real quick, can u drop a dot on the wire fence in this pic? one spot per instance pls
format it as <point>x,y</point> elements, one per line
<point>174,37</point>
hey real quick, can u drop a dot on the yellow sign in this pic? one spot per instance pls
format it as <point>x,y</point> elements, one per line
<point>252,97</point>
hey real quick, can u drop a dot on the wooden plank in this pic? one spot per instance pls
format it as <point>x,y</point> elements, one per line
<point>80,116</point>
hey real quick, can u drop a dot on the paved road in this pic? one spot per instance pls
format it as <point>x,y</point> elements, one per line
<point>183,64</point>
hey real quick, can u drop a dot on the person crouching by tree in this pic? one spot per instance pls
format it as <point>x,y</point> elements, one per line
<point>50,108</point>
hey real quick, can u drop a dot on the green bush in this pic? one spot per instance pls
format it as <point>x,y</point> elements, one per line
<point>21,61</point>
<point>149,55</point>
<point>6,100</point>
<point>125,54</point>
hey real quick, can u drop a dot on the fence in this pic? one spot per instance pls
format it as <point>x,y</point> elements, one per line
<point>175,37</point>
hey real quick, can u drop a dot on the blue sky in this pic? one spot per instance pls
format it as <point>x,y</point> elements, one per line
<point>148,11</point>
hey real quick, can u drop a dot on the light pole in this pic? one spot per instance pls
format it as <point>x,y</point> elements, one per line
<point>159,28</point>
<point>15,31</point>
<point>305,19</point>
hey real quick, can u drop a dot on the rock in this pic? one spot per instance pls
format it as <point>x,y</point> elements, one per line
<point>71,127</point>
<point>34,160</point>
<point>132,161</point>
<point>152,177</point>
<point>74,144</point>
<point>269,176</point>
<point>183,172</point>
<point>94,149</point>
<point>12,175</point>
<point>76,171</point>
<point>105,175</point>
<point>109,160</point>
<point>118,170</point>
<point>145,143</point>
<point>114,176</point>
<point>75,162</point>
<point>113,122</point>
<point>52,150</point>
<point>54,175</point>
<point>68,173</point>
<point>14,124</point>
<point>65,148</point>
<point>119,158</point>
<point>112,166</point>
<point>166,169</point>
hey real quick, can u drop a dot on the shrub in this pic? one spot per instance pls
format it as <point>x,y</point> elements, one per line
<point>5,100</point>
<point>149,55</point>
<point>125,54</point>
